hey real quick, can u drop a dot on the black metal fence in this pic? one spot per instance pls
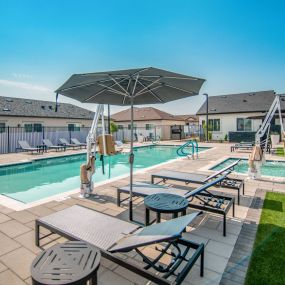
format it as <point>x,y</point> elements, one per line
<point>9,136</point>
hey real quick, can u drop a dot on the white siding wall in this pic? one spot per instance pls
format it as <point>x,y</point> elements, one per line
<point>229,123</point>
<point>47,122</point>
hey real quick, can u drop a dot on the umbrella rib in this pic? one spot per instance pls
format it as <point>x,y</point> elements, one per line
<point>151,89</point>
<point>125,77</point>
<point>99,92</point>
<point>111,89</point>
<point>169,77</point>
<point>174,87</point>
<point>126,92</point>
<point>147,87</point>
<point>151,92</point>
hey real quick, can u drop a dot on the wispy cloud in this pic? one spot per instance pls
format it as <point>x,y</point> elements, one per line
<point>22,75</point>
<point>23,85</point>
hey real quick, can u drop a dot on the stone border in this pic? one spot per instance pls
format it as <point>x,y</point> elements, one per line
<point>238,263</point>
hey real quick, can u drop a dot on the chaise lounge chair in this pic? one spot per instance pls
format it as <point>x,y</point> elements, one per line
<point>112,235</point>
<point>243,146</point>
<point>78,143</point>
<point>199,198</point>
<point>24,146</point>
<point>196,178</point>
<point>65,143</point>
<point>50,145</point>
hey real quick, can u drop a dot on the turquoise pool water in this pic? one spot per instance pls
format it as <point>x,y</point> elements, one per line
<point>269,168</point>
<point>43,178</point>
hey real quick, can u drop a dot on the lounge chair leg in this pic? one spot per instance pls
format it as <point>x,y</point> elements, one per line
<point>152,180</point>
<point>146,217</point>
<point>118,198</point>
<point>224,224</point>
<point>131,210</point>
<point>37,234</point>
<point>202,263</point>
<point>233,208</point>
<point>238,196</point>
<point>242,188</point>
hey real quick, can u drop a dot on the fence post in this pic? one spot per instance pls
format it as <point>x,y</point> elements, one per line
<point>69,136</point>
<point>43,131</point>
<point>8,138</point>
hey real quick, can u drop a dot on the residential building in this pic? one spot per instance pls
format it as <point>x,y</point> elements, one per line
<point>152,120</point>
<point>32,115</point>
<point>237,113</point>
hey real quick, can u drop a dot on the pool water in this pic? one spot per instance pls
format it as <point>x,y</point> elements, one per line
<point>269,168</point>
<point>43,178</point>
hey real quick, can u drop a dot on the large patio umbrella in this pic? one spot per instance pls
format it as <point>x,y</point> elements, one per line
<point>128,88</point>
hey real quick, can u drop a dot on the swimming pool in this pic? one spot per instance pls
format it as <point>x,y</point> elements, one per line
<point>29,182</point>
<point>269,168</point>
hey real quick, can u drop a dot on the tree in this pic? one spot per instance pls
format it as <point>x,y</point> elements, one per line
<point>113,127</point>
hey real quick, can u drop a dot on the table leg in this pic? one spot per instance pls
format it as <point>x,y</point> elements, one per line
<point>93,280</point>
<point>158,218</point>
<point>146,216</point>
<point>175,215</point>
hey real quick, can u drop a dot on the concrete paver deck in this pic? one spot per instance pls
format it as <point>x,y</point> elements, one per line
<point>17,248</point>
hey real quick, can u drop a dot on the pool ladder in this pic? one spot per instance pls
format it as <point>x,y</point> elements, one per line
<point>181,151</point>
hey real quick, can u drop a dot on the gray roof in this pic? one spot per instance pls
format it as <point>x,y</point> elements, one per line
<point>240,103</point>
<point>19,107</point>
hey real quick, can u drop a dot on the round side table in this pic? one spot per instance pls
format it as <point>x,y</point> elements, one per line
<point>73,262</point>
<point>164,203</point>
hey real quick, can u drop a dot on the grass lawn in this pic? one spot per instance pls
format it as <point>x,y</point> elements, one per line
<point>267,264</point>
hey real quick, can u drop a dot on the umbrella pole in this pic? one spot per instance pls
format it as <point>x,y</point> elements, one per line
<point>131,160</point>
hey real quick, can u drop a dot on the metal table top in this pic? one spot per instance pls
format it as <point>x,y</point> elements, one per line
<point>70,263</point>
<point>166,203</point>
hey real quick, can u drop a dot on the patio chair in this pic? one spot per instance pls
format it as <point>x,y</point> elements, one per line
<point>112,236</point>
<point>243,146</point>
<point>78,143</point>
<point>25,146</point>
<point>50,145</point>
<point>196,178</point>
<point>199,198</point>
<point>64,142</point>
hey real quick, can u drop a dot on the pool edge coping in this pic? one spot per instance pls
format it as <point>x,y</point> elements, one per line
<point>16,205</point>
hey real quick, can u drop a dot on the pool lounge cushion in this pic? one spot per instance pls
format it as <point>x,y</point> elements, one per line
<point>113,235</point>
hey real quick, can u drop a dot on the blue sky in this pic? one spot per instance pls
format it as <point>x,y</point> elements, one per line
<point>236,45</point>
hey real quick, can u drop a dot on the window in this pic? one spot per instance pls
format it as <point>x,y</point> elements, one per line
<point>38,128</point>
<point>120,127</point>
<point>2,127</point>
<point>244,125</point>
<point>129,126</point>
<point>73,127</point>
<point>28,128</point>
<point>215,125</point>
<point>149,126</point>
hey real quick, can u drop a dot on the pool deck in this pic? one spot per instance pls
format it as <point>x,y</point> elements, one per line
<point>226,258</point>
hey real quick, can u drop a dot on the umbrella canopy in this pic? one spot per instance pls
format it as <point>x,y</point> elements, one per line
<point>130,87</point>
<point>148,86</point>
